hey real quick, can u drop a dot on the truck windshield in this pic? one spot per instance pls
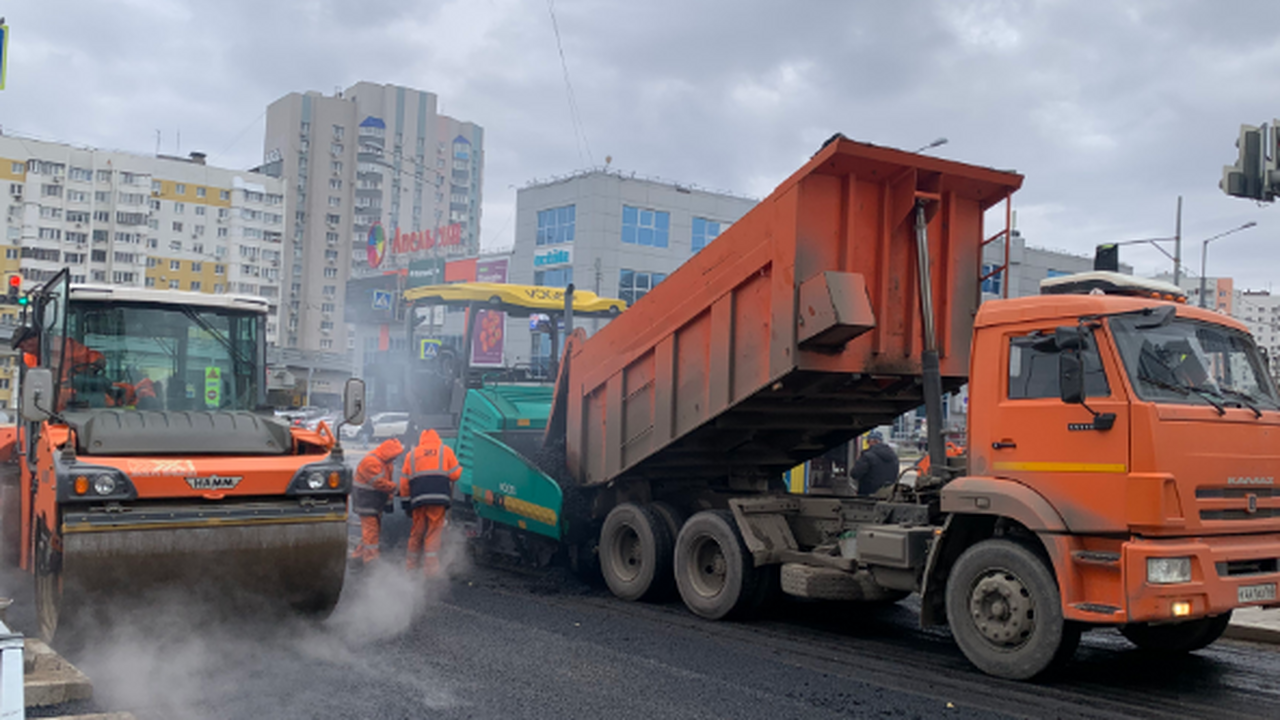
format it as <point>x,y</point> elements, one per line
<point>161,357</point>
<point>1193,362</point>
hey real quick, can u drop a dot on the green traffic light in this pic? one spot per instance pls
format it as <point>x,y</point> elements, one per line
<point>22,301</point>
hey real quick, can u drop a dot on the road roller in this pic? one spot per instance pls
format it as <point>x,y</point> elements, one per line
<point>146,458</point>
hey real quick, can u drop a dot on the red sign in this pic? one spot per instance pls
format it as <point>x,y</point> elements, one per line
<point>460,271</point>
<point>447,236</point>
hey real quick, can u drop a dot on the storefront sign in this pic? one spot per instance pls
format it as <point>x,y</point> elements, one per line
<point>556,256</point>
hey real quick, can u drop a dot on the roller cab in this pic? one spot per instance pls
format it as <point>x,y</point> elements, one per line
<point>144,457</point>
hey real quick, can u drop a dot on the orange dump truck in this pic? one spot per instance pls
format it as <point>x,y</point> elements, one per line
<point>144,458</point>
<point>1121,445</point>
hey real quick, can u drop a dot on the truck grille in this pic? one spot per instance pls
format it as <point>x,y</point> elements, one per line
<point>1259,514</point>
<point>1250,503</point>
<point>1261,566</point>
<point>1229,493</point>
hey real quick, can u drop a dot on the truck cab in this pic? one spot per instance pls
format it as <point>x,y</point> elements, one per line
<point>1135,437</point>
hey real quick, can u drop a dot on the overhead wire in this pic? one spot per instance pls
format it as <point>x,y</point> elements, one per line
<point>575,116</point>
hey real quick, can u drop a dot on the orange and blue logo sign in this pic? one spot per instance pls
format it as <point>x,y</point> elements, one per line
<point>377,246</point>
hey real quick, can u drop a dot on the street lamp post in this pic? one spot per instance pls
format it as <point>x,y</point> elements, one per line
<point>1204,256</point>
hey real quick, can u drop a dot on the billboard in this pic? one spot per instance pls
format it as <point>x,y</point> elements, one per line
<point>491,325</point>
<point>429,271</point>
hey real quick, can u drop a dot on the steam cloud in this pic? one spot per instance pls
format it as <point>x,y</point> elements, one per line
<point>190,659</point>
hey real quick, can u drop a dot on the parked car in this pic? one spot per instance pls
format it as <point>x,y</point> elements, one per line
<point>379,427</point>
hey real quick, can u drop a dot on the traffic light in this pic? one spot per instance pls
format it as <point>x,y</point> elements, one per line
<point>1248,177</point>
<point>15,291</point>
<point>1107,257</point>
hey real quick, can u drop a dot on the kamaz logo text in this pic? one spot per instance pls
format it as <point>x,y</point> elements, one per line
<point>213,482</point>
<point>1251,481</point>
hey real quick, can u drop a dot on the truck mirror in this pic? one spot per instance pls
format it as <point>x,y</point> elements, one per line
<point>1158,317</point>
<point>1071,377</point>
<point>353,402</point>
<point>1068,337</point>
<point>37,395</point>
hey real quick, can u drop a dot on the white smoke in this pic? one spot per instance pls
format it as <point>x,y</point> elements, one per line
<point>184,658</point>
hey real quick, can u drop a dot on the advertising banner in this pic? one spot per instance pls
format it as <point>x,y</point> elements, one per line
<point>491,325</point>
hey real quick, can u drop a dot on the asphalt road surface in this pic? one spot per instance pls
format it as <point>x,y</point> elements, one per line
<point>489,643</point>
<point>498,644</point>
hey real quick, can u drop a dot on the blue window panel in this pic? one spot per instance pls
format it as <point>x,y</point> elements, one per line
<point>704,231</point>
<point>646,218</point>
<point>645,235</point>
<point>626,281</point>
<point>559,277</point>
<point>660,238</point>
<point>555,226</point>
<point>992,284</point>
<point>662,220</point>
<point>1057,273</point>
<point>629,234</point>
<point>659,277</point>
<point>628,215</point>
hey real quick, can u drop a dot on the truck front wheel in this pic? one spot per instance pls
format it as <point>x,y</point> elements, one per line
<point>715,573</point>
<point>1183,637</point>
<point>635,553</point>
<point>1005,611</point>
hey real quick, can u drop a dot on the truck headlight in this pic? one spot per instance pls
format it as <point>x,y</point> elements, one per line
<point>1167,571</point>
<point>315,480</point>
<point>104,484</point>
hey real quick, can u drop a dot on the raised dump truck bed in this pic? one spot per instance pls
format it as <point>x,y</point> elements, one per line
<point>797,329</point>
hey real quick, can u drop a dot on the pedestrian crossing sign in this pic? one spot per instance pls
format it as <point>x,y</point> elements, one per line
<point>381,300</point>
<point>429,348</point>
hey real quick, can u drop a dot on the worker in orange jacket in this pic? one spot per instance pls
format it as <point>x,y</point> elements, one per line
<point>372,490</point>
<point>427,481</point>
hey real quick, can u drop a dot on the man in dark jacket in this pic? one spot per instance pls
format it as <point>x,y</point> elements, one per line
<point>877,466</point>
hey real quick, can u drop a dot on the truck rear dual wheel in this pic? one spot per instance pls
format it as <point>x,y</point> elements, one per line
<point>714,569</point>
<point>1005,611</point>
<point>1183,637</point>
<point>635,553</point>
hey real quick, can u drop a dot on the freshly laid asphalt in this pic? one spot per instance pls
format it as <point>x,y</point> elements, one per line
<point>490,643</point>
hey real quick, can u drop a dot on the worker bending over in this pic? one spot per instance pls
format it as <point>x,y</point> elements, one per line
<point>427,481</point>
<point>373,487</point>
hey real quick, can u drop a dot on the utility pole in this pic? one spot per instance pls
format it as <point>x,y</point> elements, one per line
<point>1177,246</point>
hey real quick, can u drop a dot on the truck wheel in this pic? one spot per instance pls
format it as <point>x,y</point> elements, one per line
<point>635,553</point>
<point>1183,637</point>
<point>714,570</point>
<point>670,514</point>
<point>1005,612</point>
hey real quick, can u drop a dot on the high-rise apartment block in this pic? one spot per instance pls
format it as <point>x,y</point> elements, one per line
<point>136,220</point>
<point>376,179</point>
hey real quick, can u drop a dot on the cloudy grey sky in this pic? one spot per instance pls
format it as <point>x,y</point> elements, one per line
<point>1110,108</point>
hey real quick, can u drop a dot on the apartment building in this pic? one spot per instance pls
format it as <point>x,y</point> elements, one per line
<point>137,220</point>
<point>373,161</point>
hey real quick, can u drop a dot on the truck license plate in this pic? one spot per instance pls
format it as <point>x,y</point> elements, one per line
<point>1256,593</point>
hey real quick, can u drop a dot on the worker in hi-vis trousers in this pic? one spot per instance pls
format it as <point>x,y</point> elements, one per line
<point>372,490</point>
<point>427,481</point>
